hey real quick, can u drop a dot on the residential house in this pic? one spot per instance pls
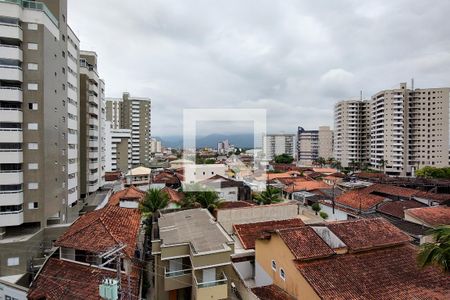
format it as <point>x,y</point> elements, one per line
<point>138,176</point>
<point>430,217</point>
<point>227,189</point>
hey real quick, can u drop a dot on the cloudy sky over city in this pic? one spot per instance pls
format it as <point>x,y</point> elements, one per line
<point>293,58</point>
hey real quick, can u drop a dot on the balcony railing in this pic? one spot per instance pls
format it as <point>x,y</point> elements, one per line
<point>220,280</point>
<point>177,273</point>
<point>36,6</point>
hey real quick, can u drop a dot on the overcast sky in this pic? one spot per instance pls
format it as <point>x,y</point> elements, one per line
<point>294,58</point>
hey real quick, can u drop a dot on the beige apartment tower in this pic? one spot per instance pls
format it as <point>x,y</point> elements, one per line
<point>351,132</point>
<point>312,144</point>
<point>133,113</point>
<point>39,131</point>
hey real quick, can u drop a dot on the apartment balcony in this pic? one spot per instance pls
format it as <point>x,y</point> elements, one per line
<point>12,73</point>
<point>93,110</point>
<point>11,31</point>
<point>93,154</point>
<point>72,168</point>
<point>93,88</point>
<point>180,279</point>
<point>93,121</point>
<point>93,99</point>
<point>93,132</point>
<point>93,177</point>
<point>93,187</point>
<point>11,197</point>
<point>93,143</point>
<point>11,177</point>
<point>13,218</point>
<point>72,197</point>
<point>11,135</point>
<point>72,153</point>
<point>11,94</point>
<point>72,182</point>
<point>93,165</point>
<point>11,115</point>
<point>72,109</point>
<point>72,139</point>
<point>11,52</point>
<point>215,289</point>
<point>11,156</point>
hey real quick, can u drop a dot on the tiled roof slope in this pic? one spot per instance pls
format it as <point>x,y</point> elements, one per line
<point>397,208</point>
<point>62,279</point>
<point>271,292</point>
<point>129,193</point>
<point>249,232</point>
<point>390,273</point>
<point>234,204</point>
<point>305,243</point>
<point>174,196</point>
<point>365,234</point>
<point>306,186</point>
<point>103,229</point>
<point>433,216</point>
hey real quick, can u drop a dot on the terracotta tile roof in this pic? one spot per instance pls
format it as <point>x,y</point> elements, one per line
<point>234,204</point>
<point>288,174</point>
<point>305,243</point>
<point>62,279</point>
<point>441,198</point>
<point>130,193</point>
<point>166,178</point>
<point>365,234</point>
<point>271,292</point>
<point>290,180</point>
<point>174,196</point>
<point>390,273</point>
<point>306,186</point>
<point>373,195</point>
<point>325,170</point>
<point>397,208</point>
<point>432,216</point>
<point>249,232</point>
<point>101,230</point>
<point>112,176</point>
<point>370,175</point>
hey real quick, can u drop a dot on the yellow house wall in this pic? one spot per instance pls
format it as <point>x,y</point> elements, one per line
<point>275,249</point>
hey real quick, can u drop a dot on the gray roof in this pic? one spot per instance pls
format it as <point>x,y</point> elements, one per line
<point>194,226</point>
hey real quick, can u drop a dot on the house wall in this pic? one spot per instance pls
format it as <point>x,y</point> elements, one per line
<point>294,284</point>
<point>228,217</point>
<point>338,215</point>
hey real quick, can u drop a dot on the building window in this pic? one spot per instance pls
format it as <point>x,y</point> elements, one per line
<point>33,106</point>
<point>33,67</point>
<point>32,126</point>
<point>33,205</point>
<point>33,185</point>
<point>282,274</point>
<point>33,46</point>
<point>33,146</point>
<point>13,261</point>
<point>33,87</point>
<point>274,265</point>
<point>32,26</point>
<point>33,166</point>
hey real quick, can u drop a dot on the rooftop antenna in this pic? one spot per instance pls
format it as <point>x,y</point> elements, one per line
<point>412,84</point>
<point>360,95</point>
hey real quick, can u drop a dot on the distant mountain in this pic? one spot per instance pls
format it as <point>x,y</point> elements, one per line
<point>244,140</point>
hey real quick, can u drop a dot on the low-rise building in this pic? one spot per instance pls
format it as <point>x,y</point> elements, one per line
<point>227,189</point>
<point>192,256</point>
<point>138,176</point>
<point>429,216</point>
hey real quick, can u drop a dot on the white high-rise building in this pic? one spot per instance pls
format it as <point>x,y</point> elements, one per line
<point>277,144</point>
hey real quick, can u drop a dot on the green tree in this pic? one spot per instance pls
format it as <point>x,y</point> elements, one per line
<point>200,197</point>
<point>323,215</point>
<point>320,161</point>
<point>269,196</point>
<point>433,172</point>
<point>154,200</point>
<point>316,207</point>
<point>438,252</point>
<point>283,159</point>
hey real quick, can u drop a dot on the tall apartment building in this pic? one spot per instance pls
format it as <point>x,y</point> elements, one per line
<point>39,133</point>
<point>92,108</point>
<point>133,113</point>
<point>277,144</point>
<point>312,144</point>
<point>351,140</point>
<point>409,129</point>
<point>397,131</point>
<point>118,149</point>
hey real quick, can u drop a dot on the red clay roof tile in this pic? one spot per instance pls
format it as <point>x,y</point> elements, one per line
<point>271,292</point>
<point>397,208</point>
<point>129,193</point>
<point>432,216</point>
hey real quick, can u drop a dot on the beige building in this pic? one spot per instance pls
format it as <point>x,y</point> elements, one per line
<point>409,129</point>
<point>192,256</point>
<point>117,149</point>
<point>133,113</point>
<point>39,127</point>
<point>92,168</point>
<point>312,144</point>
<point>351,132</point>
<point>277,144</point>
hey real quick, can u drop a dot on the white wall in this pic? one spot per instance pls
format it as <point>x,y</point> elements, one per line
<point>337,216</point>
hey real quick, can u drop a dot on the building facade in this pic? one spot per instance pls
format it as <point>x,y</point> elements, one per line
<point>351,132</point>
<point>277,144</point>
<point>312,144</point>
<point>118,149</point>
<point>39,130</point>
<point>133,113</point>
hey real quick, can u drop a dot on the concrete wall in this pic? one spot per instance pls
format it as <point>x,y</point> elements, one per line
<point>253,214</point>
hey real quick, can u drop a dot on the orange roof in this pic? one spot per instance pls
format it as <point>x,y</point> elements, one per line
<point>62,279</point>
<point>234,204</point>
<point>432,216</point>
<point>100,230</point>
<point>174,196</point>
<point>365,234</point>
<point>130,193</point>
<point>271,176</point>
<point>249,232</point>
<point>271,292</point>
<point>325,170</point>
<point>306,186</point>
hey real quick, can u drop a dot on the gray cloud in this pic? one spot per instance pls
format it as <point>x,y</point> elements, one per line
<point>294,58</point>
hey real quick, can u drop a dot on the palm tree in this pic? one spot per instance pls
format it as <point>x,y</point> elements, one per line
<point>269,196</point>
<point>438,252</point>
<point>203,198</point>
<point>154,200</point>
